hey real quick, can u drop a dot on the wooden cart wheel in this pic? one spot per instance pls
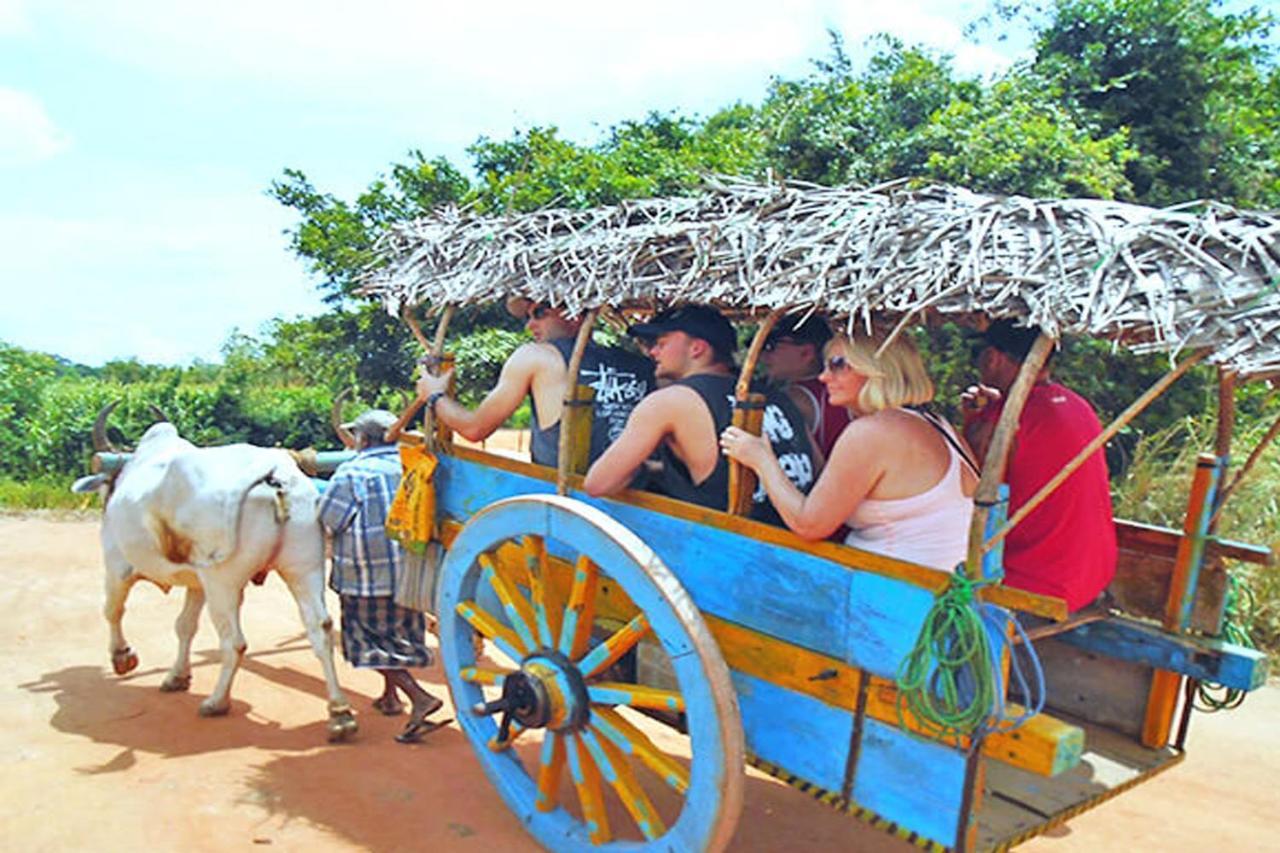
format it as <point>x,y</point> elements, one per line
<point>622,785</point>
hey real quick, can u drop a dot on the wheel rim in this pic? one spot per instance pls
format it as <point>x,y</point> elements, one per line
<point>594,760</point>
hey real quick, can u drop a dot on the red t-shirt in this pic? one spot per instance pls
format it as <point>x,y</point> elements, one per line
<point>1066,547</point>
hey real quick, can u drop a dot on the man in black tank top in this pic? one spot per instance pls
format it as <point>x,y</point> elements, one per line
<point>540,370</point>
<point>692,348</point>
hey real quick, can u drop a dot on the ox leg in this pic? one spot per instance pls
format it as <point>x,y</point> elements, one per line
<point>119,580</point>
<point>179,676</point>
<point>308,592</point>
<point>224,609</point>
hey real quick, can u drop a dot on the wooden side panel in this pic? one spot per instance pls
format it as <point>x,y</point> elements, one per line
<point>864,619</point>
<point>1201,658</point>
<point>1141,587</point>
<point>807,737</point>
<point>916,784</point>
<point>1093,687</point>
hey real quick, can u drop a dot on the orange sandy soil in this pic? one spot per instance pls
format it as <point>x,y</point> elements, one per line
<point>91,760</point>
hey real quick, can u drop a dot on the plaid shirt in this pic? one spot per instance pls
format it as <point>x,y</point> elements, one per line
<point>354,509</point>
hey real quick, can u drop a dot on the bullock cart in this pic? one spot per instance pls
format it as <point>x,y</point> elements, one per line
<point>756,647</point>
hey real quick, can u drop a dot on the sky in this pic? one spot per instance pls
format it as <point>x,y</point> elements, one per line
<point>138,138</point>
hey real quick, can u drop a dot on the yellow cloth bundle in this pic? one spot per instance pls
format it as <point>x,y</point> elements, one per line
<point>412,518</point>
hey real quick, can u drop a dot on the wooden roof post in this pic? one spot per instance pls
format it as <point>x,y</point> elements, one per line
<point>997,460</point>
<point>575,414</point>
<point>434,361</point>
<point>748,414</point>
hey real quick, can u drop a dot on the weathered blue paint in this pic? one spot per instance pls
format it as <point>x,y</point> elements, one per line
<point>558,829</point>
<point>805,736</point>
<point>1199,537</point>
<point>997,515</point>
<point>915,783</point>
<point>863,618</point>
<point>1201,658</point>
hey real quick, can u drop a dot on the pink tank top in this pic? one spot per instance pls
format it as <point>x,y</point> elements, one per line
<point>931,528</point>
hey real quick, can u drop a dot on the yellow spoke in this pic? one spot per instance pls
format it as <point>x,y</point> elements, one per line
<point>484,675</point>
<point>616,770</point>
<point>519,613</point>
<point>544,609</point>
<point>581,610</point>
<point>513,735</point>
<point>632,741</point>
<point>549,770</point>
<point>635,696</point>
<point>489,626</point>
<point>603,656</point>
<point>586,778</point>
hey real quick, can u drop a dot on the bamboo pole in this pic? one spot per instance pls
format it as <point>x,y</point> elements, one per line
<point>433,351</point>
<point>997,460</point>
<point>569,411</point>
<point>1135,408</point>
<point>1246,468</point>
<point>748,415</point>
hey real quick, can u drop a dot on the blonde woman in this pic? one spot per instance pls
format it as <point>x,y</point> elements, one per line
<point>901,479</point>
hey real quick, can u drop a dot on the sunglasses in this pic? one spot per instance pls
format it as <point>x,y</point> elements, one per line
<point>838,364</point>
<point>538,312</point>
<point>770,346</point>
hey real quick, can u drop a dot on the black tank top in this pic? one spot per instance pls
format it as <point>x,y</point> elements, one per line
<point>783,424</point>
<point>620,379</point>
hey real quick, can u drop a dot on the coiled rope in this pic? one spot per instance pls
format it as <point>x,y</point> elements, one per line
<point>1237,616</point>
<point>950,684</point>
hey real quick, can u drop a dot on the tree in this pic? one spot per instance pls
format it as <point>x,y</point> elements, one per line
<point>1194,87</point>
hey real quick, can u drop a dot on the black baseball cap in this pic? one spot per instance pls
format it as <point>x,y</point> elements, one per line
<point>696,321</point>
<point>1010,337</point>
<point>811,329</point>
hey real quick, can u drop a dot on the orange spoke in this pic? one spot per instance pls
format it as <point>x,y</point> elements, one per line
<point>512,736</point>
<point>635,696</point>
<point>544,609</point>
<point>626,737</point>
<point>616,770</point>
<point>484,675</point>
<point>519,613</point>
<point>603,656</point>
<point>489,626</point>
<point>580,612</point>
<point>586,778</point>
<point>549,770</point>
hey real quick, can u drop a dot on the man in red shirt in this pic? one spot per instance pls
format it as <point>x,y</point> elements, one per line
<point>1066,547</point>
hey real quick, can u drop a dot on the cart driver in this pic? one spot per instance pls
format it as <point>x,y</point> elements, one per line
<point>1066,547</point>
<point>540,370</point>
<point>692,349</point>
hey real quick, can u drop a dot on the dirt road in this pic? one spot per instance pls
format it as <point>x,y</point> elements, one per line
<point>94,761</point>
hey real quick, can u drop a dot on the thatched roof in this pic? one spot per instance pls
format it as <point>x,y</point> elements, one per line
<point>1158,280</point>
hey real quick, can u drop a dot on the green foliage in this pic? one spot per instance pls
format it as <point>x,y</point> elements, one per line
<point>1194,88</point>
<point>479,357</point>
<point>44,493</point>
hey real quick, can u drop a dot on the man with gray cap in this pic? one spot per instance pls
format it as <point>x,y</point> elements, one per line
<point>376,632</point>
<point>692,348</point>
<point>540,370</point>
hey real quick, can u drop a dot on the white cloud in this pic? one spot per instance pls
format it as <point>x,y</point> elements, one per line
<point>27,134</point>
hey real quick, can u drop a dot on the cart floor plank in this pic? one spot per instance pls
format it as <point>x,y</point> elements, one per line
<point>1018,805</point>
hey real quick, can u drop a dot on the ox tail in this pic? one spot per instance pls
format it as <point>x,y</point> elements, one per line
<point>280,514</point>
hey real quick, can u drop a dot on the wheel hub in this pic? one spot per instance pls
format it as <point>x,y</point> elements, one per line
<point>546,692</point>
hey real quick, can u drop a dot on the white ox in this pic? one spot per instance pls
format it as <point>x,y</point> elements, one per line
<point>210,519</point>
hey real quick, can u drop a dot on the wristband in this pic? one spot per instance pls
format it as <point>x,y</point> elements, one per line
<point>433,399</point>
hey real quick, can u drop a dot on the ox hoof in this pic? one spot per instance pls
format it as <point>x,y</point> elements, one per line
<point>124,661</point>
<point>209,708</point>
<point>342,726</point>
<point>176,684</point>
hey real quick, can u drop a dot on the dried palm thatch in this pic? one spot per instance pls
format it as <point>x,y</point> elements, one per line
<point>1155,280</point>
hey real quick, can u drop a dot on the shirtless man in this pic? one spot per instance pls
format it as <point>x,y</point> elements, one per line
<point>539,369</point>
<point>692,348</point>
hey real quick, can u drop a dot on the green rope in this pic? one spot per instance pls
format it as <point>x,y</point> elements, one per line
<point>946,683</point>
<point>1237,617</point>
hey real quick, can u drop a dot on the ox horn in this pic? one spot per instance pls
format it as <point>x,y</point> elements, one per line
<point>344,435</point>
<point>100,441</point>
<point>159,413</point>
